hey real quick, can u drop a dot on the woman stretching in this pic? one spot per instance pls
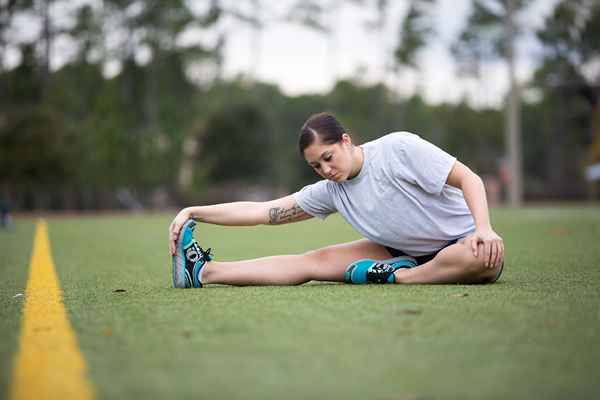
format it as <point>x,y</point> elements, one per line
<point>423,215</point>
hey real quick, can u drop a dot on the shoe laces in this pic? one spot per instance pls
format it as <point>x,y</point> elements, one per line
<point>206,254</point>
<point>381,268</point>
<point>379,273</point>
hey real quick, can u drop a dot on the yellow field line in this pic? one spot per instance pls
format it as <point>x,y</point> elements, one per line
<point>49,364</point>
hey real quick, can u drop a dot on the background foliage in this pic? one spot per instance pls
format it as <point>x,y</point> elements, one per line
<point>169,129</point>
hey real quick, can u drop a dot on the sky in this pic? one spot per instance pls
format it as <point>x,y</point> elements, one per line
<point>302,61</point>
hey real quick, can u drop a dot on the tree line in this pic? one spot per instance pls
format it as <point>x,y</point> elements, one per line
<point>167,128</point>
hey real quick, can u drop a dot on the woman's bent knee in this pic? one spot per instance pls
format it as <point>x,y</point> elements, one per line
<point>495,274</point>
<point>474,266</point>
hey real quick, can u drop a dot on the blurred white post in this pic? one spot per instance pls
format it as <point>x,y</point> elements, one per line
<point>512,135</point>
<point>257,27</point>
<point>185,178</point>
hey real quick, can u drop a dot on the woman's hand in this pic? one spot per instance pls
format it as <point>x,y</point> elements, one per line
<point>493,246</point>
<point>175,228</point>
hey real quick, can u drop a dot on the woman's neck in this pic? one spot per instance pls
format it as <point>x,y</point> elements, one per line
<point>358,159</point>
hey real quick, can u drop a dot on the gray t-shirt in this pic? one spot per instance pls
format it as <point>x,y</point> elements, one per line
<point>400,197</point>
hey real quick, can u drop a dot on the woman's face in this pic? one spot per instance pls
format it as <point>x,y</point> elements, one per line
<point>331,161</point>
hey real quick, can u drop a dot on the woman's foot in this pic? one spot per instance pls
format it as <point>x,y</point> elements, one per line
<point>189,258</point>
<point>374,271</point>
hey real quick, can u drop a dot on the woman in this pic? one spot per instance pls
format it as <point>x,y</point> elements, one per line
<point>423,215</point>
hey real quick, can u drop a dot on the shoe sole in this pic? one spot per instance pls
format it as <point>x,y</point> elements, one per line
<point>180,278</point>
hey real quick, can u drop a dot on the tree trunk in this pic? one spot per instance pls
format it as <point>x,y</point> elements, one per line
<point>513,117</point>
<point>256,40</point>
<point>190,148</point>
<point>47,34</point>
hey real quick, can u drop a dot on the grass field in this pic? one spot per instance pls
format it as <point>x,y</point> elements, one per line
<point>535,334</point>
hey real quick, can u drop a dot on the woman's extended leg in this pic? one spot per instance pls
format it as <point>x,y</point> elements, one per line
<point>454,264</point>
<point>326,264</point>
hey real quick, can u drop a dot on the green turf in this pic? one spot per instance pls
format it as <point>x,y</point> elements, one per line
<point>15,251</point>
<point>535,334</point>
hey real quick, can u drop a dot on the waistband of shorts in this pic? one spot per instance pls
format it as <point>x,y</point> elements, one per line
<point>420,259</point>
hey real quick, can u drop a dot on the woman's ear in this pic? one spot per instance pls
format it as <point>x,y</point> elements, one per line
<point>346,138</point>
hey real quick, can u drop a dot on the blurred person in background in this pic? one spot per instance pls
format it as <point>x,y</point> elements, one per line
<point>6,221</point>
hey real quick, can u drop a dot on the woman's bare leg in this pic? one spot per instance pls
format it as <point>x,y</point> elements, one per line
<point>326,264</point>
<point>454,264</point>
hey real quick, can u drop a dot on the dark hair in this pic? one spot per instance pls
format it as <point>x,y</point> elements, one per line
<point>322,125</point>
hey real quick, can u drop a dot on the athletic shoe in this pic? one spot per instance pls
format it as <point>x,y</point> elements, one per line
<point>373,271</point>
<point>189,258</point>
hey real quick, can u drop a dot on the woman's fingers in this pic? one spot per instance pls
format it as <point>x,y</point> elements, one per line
<point>487,252</point>
<point>494,255</point>
<point>173,234</point>
<point>173,244</point>
<point>497,256</point>
<point>171,238</point>
<point>473,242</point>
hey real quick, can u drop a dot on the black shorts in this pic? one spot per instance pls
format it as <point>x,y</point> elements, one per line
<point>428,257</point>
<point>420,259</point>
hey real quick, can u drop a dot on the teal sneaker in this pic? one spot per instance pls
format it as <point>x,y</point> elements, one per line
<point>373,271</point>
<point>189,259</point>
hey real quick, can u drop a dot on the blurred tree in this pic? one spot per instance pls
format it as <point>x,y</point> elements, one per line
<point>36,148</point>
<point>22,85</point>
<point>363,108</point>
<point>470,134</point>
<point>237,145</point>
<point>137,105</point>
<point>569,71</point>
<point>7,9</point>
<point>415,31</point>
<point>154,83</point>
<point>310,14</point>
<point>492,31</point>
<point>130,128</point>
<point>41,151</point>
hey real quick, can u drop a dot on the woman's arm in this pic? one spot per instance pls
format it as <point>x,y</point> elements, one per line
<point>242,213</point>
<point>248,213</point>
<point>473,190</point>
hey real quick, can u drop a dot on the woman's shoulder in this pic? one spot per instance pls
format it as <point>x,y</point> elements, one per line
<point>391,141</point>
<point>401,136</point>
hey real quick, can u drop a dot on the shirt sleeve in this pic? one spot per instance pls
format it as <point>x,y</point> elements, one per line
<point>316,200</point>
<point>420,162</point>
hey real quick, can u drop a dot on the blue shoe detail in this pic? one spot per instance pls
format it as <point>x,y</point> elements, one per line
<point>189,258</point>
<point>374,271</point>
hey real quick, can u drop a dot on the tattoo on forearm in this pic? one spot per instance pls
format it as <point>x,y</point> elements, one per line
<point>278,215</point>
